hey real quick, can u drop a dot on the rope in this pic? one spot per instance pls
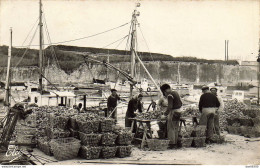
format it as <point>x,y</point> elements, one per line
<point>146,42</point>
<point>25,41</point>
<point>43,52</point>
<point>49,40</point>
<point>26,49</point>
<point>127,43</point>
<point>137,49</point>
<point>126,47</point>
<point>124,60</point>
<point>121,42</point>
<point>13,98</point>
<point>122,39</point>
<point>116,80</point>
<point>61,42</point>
<point>27,36</point>
<point>129,35</point>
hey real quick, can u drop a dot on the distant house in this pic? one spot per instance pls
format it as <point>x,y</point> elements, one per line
<point>18,86</point>
<point>248,63</point>
<point>14,86</point>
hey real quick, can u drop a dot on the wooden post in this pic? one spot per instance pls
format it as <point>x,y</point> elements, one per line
<point>40,51</point>
<point>61,100</point>
<point>258,88</point>
<point>85,102</point>
<point>7,84</point>
<point>225,50</point>
<point>150,76</point>
<point>133,35</point>
<point>258,74</point>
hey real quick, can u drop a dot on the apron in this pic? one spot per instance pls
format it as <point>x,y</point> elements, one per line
<point>204,114</point>
<point>127,121</point>
<point>173,122</point>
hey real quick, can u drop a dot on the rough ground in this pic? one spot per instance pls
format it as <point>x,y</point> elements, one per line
<point>237,151</point>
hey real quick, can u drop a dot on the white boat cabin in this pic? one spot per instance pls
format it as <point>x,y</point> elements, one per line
<point>182,89</point>
<point>239,95</point>
<point>53,98</point>
<point>221,89</point>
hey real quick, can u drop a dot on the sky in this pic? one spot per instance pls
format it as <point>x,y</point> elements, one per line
<point>196,28</point>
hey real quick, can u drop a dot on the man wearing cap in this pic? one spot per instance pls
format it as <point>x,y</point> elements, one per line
<point>219,110</point>
<point>207,105</point>
<point>173,113</point>
<point>133,105</point>
<point>112,103</point>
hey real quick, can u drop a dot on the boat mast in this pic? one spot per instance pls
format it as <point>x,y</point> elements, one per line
<point>134,53</point>
<point>107,68</point>
<point>7,85</point>
<point>40,51</point>
<point>258,76</point>
<point>132,48</point>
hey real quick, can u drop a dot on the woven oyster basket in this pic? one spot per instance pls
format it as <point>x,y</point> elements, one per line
<point>158,144</point>
<point>90,139</point>
<point>88,152</point>
<point>65,148</point>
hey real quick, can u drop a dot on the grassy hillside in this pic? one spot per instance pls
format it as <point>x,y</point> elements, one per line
<point>70,57</point>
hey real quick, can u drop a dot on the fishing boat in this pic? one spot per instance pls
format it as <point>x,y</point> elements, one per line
<point>182,89</point>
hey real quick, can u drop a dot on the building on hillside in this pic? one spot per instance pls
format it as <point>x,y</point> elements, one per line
<point>248,63</point>
<point>18,86</point>
<point>14,86</point>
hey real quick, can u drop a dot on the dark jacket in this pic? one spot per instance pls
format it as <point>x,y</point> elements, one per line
<point>112,102</point>
<point>133,105</point>
<point>174,101</point>
<point>208,100</point>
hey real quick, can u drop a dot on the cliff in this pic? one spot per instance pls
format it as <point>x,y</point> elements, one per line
<point>71,66</point>
<point>161,71</point>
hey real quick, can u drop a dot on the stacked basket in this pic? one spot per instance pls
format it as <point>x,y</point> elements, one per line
<point>247,125</point>
<point>57,131</point>
<point>65,148</point>
<point>158,144</point>
<point>192,136</point>
<point>65,133</point>
<point>104,142</point>
<point>52,129</point>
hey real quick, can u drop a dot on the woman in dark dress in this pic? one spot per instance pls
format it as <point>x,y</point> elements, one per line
<point>133,105</point>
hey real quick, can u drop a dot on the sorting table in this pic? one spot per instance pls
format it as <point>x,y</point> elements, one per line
<point>144,127</point>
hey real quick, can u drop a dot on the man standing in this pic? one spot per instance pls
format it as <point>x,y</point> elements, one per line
<point>218,111</point>
<point>112,104</point>
<point>173,113</point>
<point>207,106</point>
<point>133,105</point>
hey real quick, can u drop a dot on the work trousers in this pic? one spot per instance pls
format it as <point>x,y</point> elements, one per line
<point>216,124</point>
<point>173,122</point>
<point>207,118</point>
